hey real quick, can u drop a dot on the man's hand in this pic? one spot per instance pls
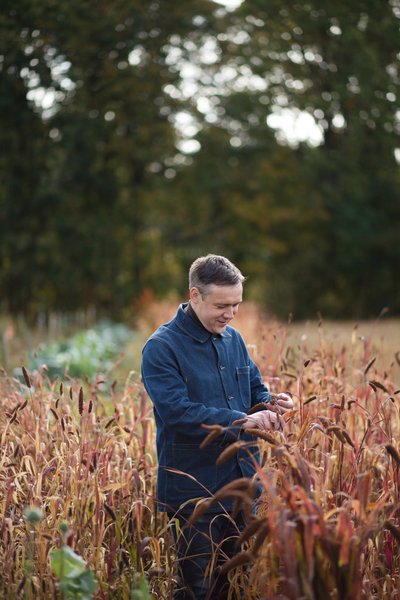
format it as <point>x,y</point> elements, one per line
<point>264,419</point>
<point>282,402</point>
<point>270,418</point>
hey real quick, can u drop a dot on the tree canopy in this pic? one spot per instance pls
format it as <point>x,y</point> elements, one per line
<point>137,135</point>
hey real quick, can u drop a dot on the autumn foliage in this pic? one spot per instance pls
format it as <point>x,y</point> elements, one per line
<point>327,524</point>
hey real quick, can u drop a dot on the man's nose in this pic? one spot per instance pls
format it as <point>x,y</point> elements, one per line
<point>229,312</point>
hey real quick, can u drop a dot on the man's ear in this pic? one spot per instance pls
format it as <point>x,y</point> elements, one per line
<point>194,295</point>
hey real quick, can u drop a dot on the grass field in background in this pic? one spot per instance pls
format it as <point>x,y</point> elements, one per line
<point>83,452</point>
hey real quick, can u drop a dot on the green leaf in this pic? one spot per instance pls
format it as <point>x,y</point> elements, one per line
<point>66,563</point>
<point>81,587</point>
<point>141,591</point>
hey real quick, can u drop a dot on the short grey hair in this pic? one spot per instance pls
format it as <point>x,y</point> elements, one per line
<point>213,269</point>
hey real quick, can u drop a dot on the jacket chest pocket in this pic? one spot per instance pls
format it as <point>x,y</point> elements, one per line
<point>243,379</point>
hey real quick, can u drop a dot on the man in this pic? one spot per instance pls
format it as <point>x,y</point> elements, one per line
<point>197,371</point>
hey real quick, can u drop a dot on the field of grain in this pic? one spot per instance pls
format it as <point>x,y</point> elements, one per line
<point>83,454</point>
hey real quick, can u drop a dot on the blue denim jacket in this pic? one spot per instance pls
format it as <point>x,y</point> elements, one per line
<point>194,377</point>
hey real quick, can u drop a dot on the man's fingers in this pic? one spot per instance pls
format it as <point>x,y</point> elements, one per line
<point>265,419</point>
<point>258,420</point>
<point>251,421</point>
<point>239,422</point>
<point>271,420</point>
<point>277,422</point>
<point>284,402</point>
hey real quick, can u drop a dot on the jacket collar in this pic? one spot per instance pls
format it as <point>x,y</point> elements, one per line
<point>194,329</point>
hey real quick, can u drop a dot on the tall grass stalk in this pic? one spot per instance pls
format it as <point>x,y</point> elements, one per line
<point>327,524</point>
<point>84,457</point>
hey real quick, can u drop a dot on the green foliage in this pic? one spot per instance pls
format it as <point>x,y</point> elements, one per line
<point>97,205</point>
<point>33,515</point>
<point>80,180</point>
<point>339,63</point>
<point>142,591</point>
<point>85,354</point>
<point>75,580</point>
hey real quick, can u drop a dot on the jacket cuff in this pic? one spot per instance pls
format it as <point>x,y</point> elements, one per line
<point>232,432</point>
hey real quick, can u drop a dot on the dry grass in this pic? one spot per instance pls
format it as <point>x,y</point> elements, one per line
<point>87,460</point>
<point>329,522</point>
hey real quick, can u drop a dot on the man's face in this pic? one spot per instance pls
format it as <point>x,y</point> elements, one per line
<point>218,307</point>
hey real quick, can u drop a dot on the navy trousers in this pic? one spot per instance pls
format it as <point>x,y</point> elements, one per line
<point>212,536</point>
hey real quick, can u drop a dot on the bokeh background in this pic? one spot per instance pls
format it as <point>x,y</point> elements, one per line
<point>138,134</point>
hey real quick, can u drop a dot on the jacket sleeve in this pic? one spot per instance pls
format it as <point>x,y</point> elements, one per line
<point>167,389</point>
<point>258,390</point>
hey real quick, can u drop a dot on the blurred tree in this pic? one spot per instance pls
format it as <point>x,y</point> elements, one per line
<point>339,62</point>
<point>25,143</point>
<point>88,129</point>
<point>250,202</point>
<point>99,201</point>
